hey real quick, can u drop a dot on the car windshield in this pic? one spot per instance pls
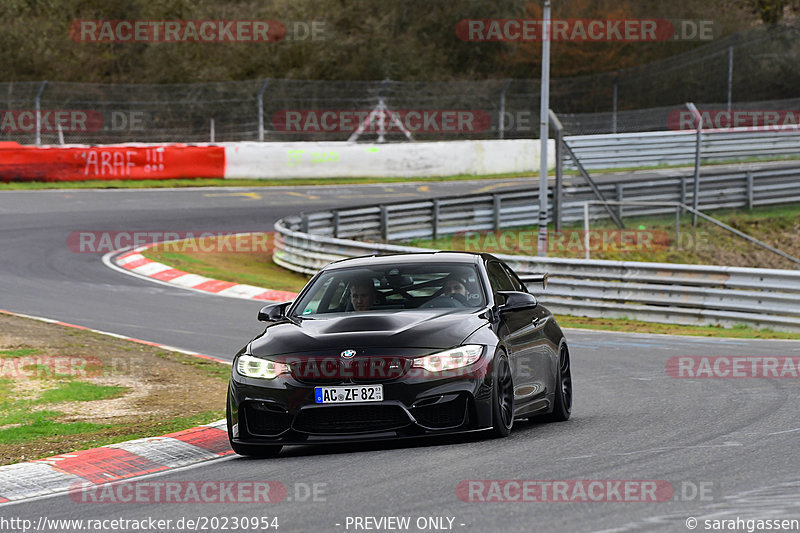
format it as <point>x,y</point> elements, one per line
<point>392,287</point>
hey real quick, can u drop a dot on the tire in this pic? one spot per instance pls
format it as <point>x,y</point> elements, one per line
<point>249,450</point>
<point>562,406</point>
<point>502,397</point>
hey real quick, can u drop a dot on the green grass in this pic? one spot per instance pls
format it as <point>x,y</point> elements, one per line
<point>249,268</point>
<point>739,331</point>
<point>20,352</point>
<point>706,244</point>
<point>209,367</point>
<point>81,391</point>
<point>44,426</point>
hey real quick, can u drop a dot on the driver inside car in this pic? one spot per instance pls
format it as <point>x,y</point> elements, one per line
<point>456,287</point>
<point>362,295</point>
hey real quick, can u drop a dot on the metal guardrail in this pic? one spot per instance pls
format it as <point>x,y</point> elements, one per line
<point>687,294</point>
<point>678,208</point>
<point>653,148</point>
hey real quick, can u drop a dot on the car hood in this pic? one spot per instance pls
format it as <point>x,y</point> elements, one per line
<point>431,328</point>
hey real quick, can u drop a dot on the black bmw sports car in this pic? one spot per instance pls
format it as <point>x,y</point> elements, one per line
<point>387,347</point>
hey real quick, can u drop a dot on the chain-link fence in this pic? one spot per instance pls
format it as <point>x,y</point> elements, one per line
<point>751,70</point>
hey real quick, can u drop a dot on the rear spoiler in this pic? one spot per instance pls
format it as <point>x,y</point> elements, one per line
<point>536,278</point>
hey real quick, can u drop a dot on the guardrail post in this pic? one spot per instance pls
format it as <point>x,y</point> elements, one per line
<point>683,191</point>
<point>384,223</point>
<point>678,226</point>
<point>620,198</point>
<point>336,224</point>
<point>749,176</point>
<point>435,219</point>
<point>304,222</point>
<point>496,211</point>
<point>586,229</point>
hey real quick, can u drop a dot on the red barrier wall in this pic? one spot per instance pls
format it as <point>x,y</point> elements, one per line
<point>117,162</point>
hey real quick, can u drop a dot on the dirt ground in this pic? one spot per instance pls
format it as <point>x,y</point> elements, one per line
<point>146,390</point>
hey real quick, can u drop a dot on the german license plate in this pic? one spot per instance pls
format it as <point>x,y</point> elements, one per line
<point>356,393</point>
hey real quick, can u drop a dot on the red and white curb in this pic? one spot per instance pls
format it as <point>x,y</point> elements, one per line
<point>114,462</point>
<point>133,262</point>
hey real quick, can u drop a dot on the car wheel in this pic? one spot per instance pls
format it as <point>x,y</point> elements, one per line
<point>270,450</point>
<point>503,397</point>
<point>562,407</point>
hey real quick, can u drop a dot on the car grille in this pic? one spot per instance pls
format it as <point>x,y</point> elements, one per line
<point>351,419</point>
<point>331,370</point>
<point>442,415</point>
<point>265,420</point>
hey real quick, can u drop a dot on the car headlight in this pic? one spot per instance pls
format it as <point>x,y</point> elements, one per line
<point>450,359</point>
<point>255,367</point>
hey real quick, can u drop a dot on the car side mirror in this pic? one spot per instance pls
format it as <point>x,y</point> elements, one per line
<point>515,301</point>
<point>273,312</point>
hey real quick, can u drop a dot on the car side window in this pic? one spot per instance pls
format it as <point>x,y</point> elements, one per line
<point>518,286</point>
<point>498,278</point>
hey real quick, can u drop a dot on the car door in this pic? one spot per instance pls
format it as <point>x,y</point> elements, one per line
<point>543,355</point>
<point>524,334</point>
<point>519,332</point>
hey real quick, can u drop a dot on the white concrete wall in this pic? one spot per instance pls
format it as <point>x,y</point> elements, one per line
<point>404,160</point>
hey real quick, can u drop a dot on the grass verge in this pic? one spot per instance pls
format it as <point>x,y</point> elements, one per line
<point>653,239</point>
<point>253,266</point>
<point>740,331</point>
<point>63,389</point>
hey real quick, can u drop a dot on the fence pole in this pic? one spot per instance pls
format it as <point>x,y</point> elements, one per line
<point>614,104</point>
<point>730,77</point>
<point>678,227</point>
<point>557,193</point>
<point>502,121</point>
<point>39,113</point>
<point>261,110</point>
<point>544,131</point>
<point>749,176</point>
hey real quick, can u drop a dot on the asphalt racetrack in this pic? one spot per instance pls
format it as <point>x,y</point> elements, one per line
<point>726,448</point>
